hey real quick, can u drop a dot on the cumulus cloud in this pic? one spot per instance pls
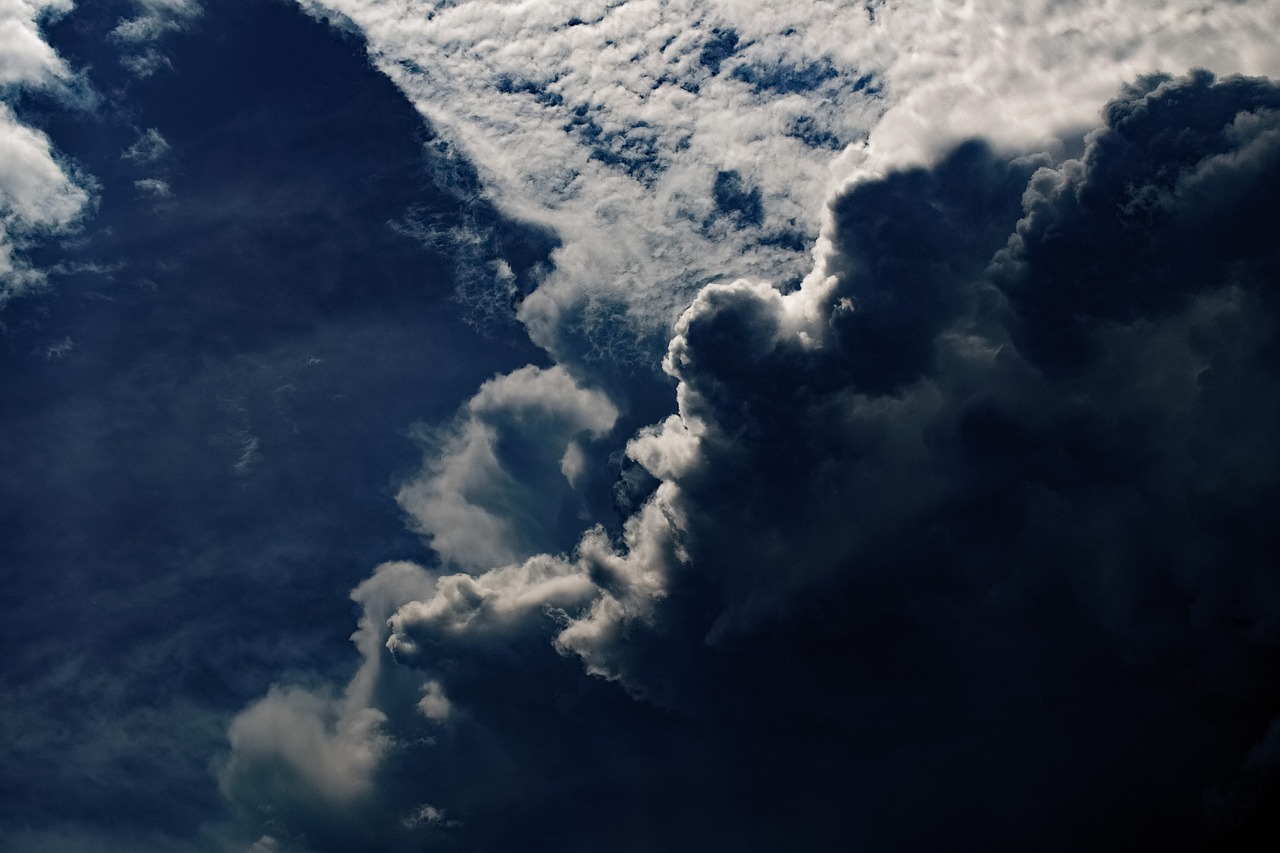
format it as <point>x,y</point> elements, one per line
<point>1013,433</point>
<point>331,752</point>
<point>927,374</point>
<point>493,486</point>
<point>307,756</point>
<point>992,422</point>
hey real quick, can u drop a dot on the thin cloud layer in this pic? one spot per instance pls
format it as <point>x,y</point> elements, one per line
<point>986,502</point>
<point>671,144</point>
<point>667,144</point>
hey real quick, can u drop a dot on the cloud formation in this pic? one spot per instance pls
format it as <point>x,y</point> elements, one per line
<point>39,195</point>
<point>672,143</point>
<point>139,35</point>
<point>25,58</point>
<point>496,480</point>
<point>986,501</point>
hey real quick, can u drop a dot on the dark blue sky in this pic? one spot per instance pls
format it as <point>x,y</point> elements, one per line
<point>966,543</point>
<point>190,490</point>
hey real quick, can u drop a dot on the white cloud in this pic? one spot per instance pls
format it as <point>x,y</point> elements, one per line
<point>37,198</point>
<point>153,187</point>
<point>606,121</point>
<point>149,147</point>
<point>310,744</point>
<point>302,748</point>
<point>491,602</point>
<point>25,58</point>
<point>434,705</point>
<point>1020,74</point>
<point>34,189</point>
<point>152,20</point>
<point>491,488</point>
<point>428,815</point>
<point>37,195</point>
<point>613,132</point>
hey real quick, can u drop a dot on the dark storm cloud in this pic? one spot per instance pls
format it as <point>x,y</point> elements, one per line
<point>1179,190</point>
<point>935,364</point>
<point>1073,444</point>
<point>967,544</point>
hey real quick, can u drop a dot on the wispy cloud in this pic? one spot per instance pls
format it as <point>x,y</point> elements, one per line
<point>138,35</point>
<point>150,147</point>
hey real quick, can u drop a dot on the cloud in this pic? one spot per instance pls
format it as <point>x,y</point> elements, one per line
<point>150,147</point>
<point>25,58</point>
<point>495,480</point>
<point>979,501</point>
<point>153,20</point>
<point>637,130</point>
<point>153,187</point>
<point>613,127</point>
<point>987,500</point>
<point>37,195</point>
<point>37,198</point>
<point>305,756</point>
<point>332,752</point>
<point>1090,366</point>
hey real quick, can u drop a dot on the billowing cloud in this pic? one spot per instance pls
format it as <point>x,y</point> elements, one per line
<point>496,480</point>
<point>927,370</point>
<point>987,499</point>
<point>308,757</point>
<point>1009,435</point>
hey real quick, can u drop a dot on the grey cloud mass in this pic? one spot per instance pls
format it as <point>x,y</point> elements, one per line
<point>1012,441</point>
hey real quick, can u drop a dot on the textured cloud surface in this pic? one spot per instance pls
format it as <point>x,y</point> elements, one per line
<point>37,195</point>
<point>671,143</point>
<point>928,532</point>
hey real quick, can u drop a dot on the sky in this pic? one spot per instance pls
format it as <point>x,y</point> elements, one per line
<point>650,425</point>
